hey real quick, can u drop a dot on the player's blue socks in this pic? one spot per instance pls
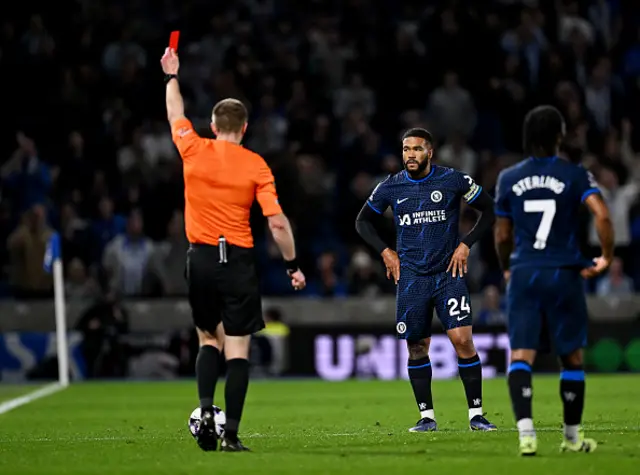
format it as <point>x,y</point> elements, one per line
<point>420,375</point>
<point>572,390</point>
<point>521,393</point>
<point>207,372</point>
<point>470,370</point>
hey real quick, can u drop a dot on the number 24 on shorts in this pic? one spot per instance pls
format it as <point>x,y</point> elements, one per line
<point>464,305</point>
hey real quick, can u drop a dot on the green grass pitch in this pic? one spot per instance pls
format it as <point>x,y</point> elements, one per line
<point>312,427</point>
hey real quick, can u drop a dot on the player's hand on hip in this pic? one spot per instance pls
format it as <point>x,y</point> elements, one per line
<point>298,280</point>
<point>600,264</point>
<point>458,264</point>
<point>392,263</point>
<point>170,62</point>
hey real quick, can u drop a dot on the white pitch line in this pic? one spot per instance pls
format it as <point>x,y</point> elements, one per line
<point>317,436</point>
<point>12,404</point>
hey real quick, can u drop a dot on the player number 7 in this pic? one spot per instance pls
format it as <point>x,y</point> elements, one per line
<point>548,210</point>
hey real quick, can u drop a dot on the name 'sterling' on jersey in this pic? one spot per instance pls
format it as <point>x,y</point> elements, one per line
<point>536,182</point>
<point>542,198</point>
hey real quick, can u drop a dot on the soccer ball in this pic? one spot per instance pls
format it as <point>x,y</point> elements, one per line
<point>218,416</point>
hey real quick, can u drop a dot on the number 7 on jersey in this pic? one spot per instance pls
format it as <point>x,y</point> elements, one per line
<point>548,210</point>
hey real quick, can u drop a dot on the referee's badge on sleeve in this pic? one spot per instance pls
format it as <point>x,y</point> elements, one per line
<point>184,131</point>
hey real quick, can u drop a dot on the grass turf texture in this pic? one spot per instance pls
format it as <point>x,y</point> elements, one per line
<point>313,427</point>
<point>11,391</point>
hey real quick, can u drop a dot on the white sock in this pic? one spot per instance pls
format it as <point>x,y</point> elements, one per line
<point>430,413</point>
<point>571,433</point>
<point>525,428</point>
<point>475,411</point>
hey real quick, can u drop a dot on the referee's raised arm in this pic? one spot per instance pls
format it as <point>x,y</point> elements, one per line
<point>222,179</point>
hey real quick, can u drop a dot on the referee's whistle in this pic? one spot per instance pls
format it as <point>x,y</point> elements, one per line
<point>222,249</point>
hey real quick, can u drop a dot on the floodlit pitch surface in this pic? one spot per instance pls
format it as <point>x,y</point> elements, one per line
<point>311,427</point>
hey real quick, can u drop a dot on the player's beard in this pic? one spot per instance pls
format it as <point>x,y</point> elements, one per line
<point>420,170</point>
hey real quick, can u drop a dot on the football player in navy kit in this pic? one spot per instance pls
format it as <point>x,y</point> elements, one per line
<point>537,204</point>
<point>429,265</point>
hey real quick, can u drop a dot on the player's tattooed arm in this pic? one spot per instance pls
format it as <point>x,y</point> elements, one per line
<point>503,237</point>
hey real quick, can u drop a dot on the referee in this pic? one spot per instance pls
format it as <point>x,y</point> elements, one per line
<point>221,181</point>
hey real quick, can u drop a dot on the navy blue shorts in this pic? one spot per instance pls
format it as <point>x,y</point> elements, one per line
<point>419,295</point>
<point>551,300</point>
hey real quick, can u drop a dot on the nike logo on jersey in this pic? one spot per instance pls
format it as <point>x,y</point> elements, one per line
<point>462,318</point>
<point>402,200</point>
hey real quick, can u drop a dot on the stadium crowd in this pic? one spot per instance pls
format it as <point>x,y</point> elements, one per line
<point>87,151</point>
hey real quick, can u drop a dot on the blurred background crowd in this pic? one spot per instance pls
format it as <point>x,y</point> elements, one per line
<point>331,85</point>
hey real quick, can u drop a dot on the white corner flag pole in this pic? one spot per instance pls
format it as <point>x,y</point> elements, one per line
<point>53,263</point>
<point>61,323</point>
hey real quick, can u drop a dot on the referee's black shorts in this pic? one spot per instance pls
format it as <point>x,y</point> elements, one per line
<point>224,292</point>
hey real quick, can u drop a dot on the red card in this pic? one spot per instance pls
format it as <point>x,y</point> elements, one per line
<point>173,40</point>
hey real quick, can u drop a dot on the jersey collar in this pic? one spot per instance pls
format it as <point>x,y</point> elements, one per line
<point>406,175</point>
<point>552,158</point>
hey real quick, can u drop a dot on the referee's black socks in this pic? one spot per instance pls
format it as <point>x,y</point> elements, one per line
<point>235,394</point>
<point>470,370</point>
<point>207,372</point>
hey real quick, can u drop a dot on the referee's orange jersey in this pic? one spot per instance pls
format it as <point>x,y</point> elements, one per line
<point>221,180</point>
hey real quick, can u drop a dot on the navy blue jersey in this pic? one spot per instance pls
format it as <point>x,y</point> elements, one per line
<point>542,197</point>
<point>426,213</point>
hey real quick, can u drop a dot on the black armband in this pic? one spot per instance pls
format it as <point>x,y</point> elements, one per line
<point>292,266</point>
<point>169,77</point>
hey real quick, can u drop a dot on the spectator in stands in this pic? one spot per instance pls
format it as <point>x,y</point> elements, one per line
<point>619,198</point>
<point>106,227</point>
<point>167,261</point>
<point>603,96</point>
<point>492,311</point>
<point>455,153</point>
<point>27,246</point>
<point>76,169</point>
<point>354,95</point>
<point>271,343</point>
<point>127,258</point>
<point>615,283</point>
<point>74,234</point>
<point>270,127</point>
<point>117,53</point>
<point>78,285</point>
<point>103,325</point>
<point>451,109</point>
<point>324,115</point>
<point>365,276</point>
<point>26,177</point>
<point>329,282</point>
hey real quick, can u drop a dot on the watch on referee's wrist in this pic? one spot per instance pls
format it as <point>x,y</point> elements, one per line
<point>292,266</point>
<point>169,77</point>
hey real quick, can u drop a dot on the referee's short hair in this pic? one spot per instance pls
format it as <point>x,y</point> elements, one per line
<point>229,116</point>
<point>543,127</point>
<point>420,133</point>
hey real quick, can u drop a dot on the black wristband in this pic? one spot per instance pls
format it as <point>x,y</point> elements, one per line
<point>292,265</point>
<point>169,77</point>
